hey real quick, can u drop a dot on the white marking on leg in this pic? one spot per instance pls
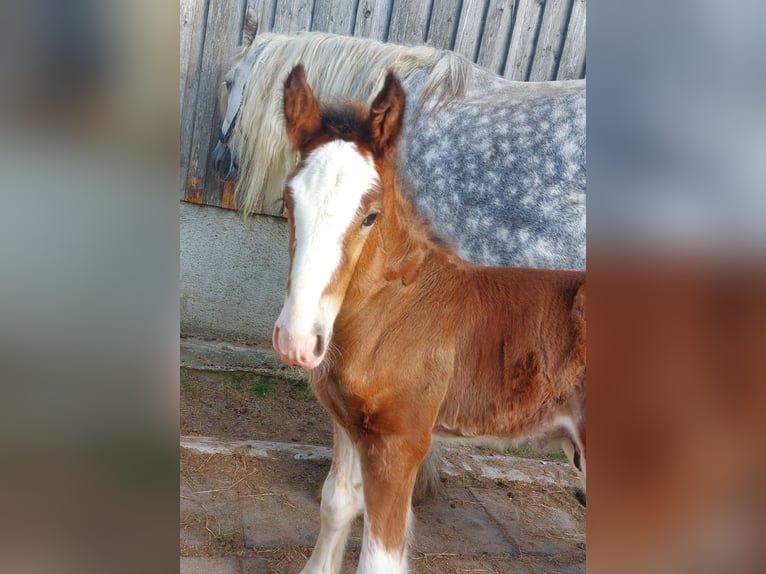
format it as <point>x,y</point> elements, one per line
<point>342,501</point>
<point>375,559</point>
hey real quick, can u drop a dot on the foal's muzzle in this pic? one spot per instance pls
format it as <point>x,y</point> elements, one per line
<point>305,351</point>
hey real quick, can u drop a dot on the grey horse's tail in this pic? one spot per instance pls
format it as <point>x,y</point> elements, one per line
<point>427,483</point>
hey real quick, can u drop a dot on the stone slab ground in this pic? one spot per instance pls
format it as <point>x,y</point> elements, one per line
<point>252,506</point>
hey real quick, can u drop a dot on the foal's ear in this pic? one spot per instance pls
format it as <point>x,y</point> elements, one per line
<point>300,107</point>
<point>387,115</point>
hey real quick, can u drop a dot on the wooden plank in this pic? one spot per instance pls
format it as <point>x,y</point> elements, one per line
<point>192,22</point>
<point>470,28</point>
<point>189,28</point>
<point>522,46</point>
<point>550,40</point>
<point>224,24</point>
<point>408,22</point>
<point>336,16</point>
<point>263,10</point>
<point>442,28</point>
<point>572,63</point>
<point>293,16</point>
<point>372,19</point>
<point>227,196</point>
<point>496,36</point>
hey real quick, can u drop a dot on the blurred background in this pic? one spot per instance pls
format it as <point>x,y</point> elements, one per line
<point>89,286</point>
<point>89,136</point>
<point>677,315</point>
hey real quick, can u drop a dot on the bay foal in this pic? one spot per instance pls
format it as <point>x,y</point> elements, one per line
<point>402,337</point>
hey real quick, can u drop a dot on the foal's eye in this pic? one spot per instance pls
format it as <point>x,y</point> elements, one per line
<point>369,220</point>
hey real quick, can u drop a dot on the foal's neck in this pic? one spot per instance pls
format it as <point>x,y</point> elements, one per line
<point>405,240</point>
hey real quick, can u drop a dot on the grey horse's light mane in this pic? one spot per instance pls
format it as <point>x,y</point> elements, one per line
<point>265,157</point>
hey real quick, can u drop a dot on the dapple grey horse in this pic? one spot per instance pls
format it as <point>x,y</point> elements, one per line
<point>496,166</point>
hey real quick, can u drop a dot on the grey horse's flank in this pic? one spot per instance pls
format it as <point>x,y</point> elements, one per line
<point>497,166</point>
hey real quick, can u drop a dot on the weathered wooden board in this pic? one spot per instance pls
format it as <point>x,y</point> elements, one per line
<point>336,16</point>
<point>293,16</point>
<point>522,46</point>
<point>550,40</point>
<point>222,32</point>
<point>442,30</point>
<point>191,32</point>
<point>470,27</point>
<point>409,21</point>
<point>496,35</point>
<point>372,19</point>
<point>572,64</point>
<point>264,11</point>
<point>193,19</point>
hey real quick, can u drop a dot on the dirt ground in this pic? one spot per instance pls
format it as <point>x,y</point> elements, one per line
<point>247,513</point>
<point>246,406</point>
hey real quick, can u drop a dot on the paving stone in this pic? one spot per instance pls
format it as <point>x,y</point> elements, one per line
<point>457,523</point>
<point>469,527</point>
<point>225,565</point>
<point>218,510</point>
<point>288,517</point>
<point>256,566</point>
<point>539,566</point>
<point>537,529</point>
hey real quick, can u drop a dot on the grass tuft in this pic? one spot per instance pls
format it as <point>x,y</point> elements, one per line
<point>261,387</point>
<point>527,450</point>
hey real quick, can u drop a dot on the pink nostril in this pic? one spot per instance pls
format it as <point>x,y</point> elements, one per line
<point>304,350</point>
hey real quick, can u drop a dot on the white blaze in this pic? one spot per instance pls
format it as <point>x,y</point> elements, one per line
<point>327,193</point>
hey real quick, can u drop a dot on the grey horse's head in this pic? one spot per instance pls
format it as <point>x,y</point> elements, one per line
<point>230,101</point>
<point>230,96</point>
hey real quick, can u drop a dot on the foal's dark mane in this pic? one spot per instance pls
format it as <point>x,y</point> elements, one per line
<point>345,120</point>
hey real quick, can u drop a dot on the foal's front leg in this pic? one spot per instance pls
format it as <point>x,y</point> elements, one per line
<point>342,501</point>
<point>389,467</point>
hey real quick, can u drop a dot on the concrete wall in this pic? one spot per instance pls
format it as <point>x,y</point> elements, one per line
<point>233,274</point>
